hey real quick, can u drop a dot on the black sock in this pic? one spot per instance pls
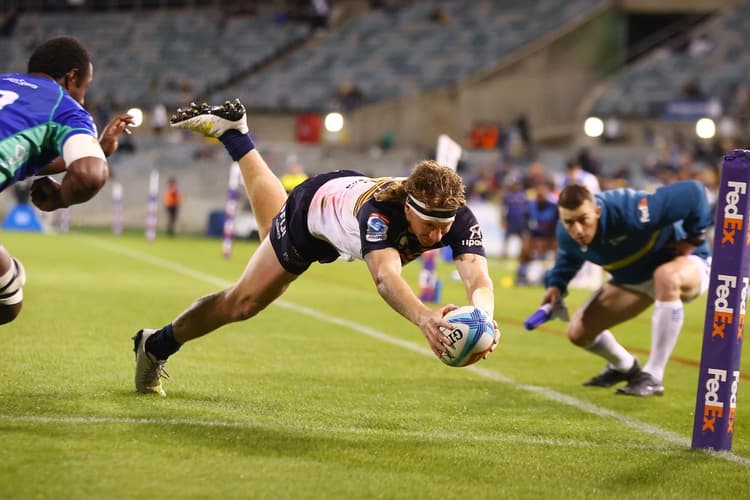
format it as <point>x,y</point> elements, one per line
<point>162,344</point>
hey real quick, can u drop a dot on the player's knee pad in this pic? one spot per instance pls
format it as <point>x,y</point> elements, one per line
<point>11,284</point>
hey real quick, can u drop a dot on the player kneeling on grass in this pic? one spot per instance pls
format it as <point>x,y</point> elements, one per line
<point>44,130</point>
<point>387,222</point>
<point>653,246</point>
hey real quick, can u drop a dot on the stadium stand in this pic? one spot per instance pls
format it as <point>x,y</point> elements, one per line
<point>711,65</point>
<point>449,41</point>
<point>173,64</point>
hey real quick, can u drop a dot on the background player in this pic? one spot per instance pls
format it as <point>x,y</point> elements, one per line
<point>44,130</point>
<point>653,245</point>
<point>386,222</point>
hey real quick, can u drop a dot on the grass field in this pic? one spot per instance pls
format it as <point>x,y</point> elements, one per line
<point>327,394</point>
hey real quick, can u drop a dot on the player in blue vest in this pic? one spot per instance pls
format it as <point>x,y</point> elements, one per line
<point>540,235</point>
<point>45,130</point>
<point>654,247</point>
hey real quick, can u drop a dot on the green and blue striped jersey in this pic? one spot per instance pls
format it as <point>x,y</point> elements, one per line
<point>37,116</point>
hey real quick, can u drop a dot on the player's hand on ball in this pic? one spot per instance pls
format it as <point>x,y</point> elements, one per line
<point>45,194</point>
<point>473,334</point>
<point>495,341</point>
<point>432,325</point>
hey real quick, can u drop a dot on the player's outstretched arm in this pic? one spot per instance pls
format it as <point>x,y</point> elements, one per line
<point>475,274</point>
<point>385,268</point>
<point>83,179</point>
<point>109,139</point>
<point>109,142</point>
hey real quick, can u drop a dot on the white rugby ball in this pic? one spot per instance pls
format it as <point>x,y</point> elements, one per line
<point>472,336</point>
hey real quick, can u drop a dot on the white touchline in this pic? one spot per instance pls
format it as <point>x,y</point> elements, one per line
<point>558,397</point>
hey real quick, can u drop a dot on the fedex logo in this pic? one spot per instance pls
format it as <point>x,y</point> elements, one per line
<point>733,400</point>
<point>743,308</point>
<point>732,216</point>
<point>713,408</point>
<point>723,314</point>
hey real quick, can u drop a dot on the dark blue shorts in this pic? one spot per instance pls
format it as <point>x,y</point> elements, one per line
<point>295,247</point>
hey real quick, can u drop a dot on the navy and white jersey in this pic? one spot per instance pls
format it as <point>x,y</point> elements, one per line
<point>635,232</point>
<point>336,215</point>
<point>37,116</point>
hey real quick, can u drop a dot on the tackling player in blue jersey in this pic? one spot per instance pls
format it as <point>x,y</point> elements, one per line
<point>386,222</point>
<point>44,130</point>
<point>653,245</point>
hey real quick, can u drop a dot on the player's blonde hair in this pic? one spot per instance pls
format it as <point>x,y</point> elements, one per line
<point>431,183</point>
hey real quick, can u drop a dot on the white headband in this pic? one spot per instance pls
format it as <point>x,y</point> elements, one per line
<point>430,214</point>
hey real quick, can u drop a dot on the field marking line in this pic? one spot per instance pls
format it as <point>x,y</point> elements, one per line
<point>547,393</point>
<point>324,430</point>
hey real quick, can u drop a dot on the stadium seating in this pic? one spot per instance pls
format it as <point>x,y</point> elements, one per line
<point>644,89</point>
<point>448,40</point>
<point>179,54</point>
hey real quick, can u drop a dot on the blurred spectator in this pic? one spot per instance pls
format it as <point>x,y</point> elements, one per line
<point>540,238</point>
<point>294,176</point>
<point>515,212</point>
<point>159,118</point>
<point>524,132</point>
<point>172,202</point>
<point>575,174</point>
<point>484,136</point>
<point>483,185</point>
<point>349,96</point>
<point>587,161</point>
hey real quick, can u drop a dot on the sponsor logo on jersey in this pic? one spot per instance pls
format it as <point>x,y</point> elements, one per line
<point>733,219</point>
<point>713,408</point>
<point>619,239</point>
<point>645,216</point>
<point>377,227</point>
<point>475,237</point>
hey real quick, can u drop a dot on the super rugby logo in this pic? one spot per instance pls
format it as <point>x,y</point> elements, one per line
<point>732,217</point>
<point>377,227</point>
<point>723,314</point>
<point>713,408</point>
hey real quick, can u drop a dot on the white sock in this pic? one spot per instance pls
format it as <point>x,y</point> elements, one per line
<point>666,322</point>
<point>606,346</point>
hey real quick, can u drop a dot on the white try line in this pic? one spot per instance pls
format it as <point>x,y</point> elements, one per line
<point>558,397</point>
<point>505,438</point>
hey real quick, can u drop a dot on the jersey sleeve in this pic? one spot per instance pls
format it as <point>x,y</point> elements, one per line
<point>687,201</point>
<point>465,236</point>
<point>378,222</point>
<point>566,265</point>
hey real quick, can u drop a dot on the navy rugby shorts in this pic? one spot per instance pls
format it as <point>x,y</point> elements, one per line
<point>292,242</point>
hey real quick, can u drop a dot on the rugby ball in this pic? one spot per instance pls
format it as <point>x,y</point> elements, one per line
<point>471,336</point>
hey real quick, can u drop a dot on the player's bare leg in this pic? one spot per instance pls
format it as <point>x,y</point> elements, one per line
<point>262,282</point>
<point>264,190</point>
